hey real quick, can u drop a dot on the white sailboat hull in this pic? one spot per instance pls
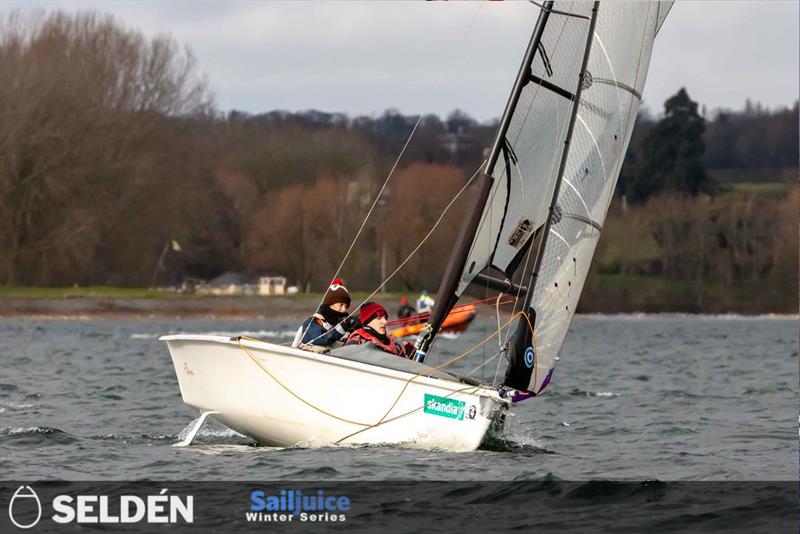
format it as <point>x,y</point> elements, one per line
<point>283,397</point>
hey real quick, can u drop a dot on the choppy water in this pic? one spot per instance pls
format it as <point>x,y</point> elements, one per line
<point>634,398</point>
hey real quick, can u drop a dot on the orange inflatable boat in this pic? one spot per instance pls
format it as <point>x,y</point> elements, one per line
<point>456,321</point>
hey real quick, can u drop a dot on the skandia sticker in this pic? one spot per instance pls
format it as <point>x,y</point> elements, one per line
<point>444,407</point>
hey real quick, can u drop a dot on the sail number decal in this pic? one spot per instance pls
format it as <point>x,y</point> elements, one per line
<point>444,407</point>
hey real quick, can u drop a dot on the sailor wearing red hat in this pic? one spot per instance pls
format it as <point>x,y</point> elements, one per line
<point>373,318</point>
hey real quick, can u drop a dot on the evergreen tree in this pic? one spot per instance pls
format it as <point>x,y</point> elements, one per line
<point>672,153</point>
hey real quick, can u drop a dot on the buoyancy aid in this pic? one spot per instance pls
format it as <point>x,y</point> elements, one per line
<point>363,335</point>
<point>333,337</point>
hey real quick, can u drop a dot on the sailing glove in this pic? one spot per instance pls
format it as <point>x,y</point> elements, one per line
<point>350,324</point>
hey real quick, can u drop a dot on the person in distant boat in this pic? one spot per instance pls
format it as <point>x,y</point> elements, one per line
<point>424,303</point>
<point>373,318</point>
<point>405,310</point>
<point>329,327</point>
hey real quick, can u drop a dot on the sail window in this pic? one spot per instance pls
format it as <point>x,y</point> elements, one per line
<point>521,233</point>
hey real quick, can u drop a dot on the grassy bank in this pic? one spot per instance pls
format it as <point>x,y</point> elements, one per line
<point>134,293</point>
<point>93,292</point>
<point>603,293</point>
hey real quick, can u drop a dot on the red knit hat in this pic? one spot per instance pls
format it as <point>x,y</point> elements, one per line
<point>336,293</point>
<point>369,311</point>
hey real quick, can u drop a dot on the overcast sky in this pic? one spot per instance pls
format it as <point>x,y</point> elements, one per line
<point>365,57</point>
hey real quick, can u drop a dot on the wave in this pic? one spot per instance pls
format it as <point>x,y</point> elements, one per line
<point>212,433</point>
<point>314,472</point>
<point>36,435</point>
<point>577,392</point>
<point>14,406</point>
<point>641,316</point>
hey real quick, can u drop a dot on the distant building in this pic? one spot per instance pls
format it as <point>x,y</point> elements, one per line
<point>229,283</point>
<point>233,283</point>
<point>272,285</point>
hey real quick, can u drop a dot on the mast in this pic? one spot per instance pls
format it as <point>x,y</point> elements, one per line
<point>446,297</point>
<point>521,364</point>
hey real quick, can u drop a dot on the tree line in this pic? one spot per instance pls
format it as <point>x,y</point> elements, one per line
<point>111,147</point>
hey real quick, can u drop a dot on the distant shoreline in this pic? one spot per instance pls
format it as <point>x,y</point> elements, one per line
<point>232,308</point>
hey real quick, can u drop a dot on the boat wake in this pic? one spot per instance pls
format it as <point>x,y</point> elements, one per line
<point>213,433</point>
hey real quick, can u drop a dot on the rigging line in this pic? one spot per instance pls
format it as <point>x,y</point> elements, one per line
<point>496,371</point>
<point>372,207</point>
<point>397,161</point>
<point>558,12</point>
<point>411,254</point>
<point>497,313</point>
<point>481,365</point>
<point>507,153</point>
<point>424,239</point>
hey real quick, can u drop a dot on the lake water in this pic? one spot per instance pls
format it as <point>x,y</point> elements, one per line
<point>671,398</point>
<point>640,409</point>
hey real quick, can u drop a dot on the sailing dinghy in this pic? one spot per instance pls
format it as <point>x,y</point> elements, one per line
<point>537,213</point>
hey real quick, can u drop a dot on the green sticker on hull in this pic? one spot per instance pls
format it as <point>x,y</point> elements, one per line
<point>444,407</point>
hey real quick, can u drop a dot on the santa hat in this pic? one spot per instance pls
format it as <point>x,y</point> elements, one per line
<point>369,311</point>
<point>336,293</point>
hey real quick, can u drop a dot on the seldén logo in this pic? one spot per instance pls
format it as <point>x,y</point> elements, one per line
<point>23,502</point>
<point>101,509</point>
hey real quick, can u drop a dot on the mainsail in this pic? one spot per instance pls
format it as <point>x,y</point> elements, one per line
<point>542,201</point>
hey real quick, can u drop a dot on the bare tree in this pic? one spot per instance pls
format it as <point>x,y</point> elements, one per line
<point>79,96</point>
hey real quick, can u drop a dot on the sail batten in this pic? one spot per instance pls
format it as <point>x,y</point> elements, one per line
<point>552,87</point>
